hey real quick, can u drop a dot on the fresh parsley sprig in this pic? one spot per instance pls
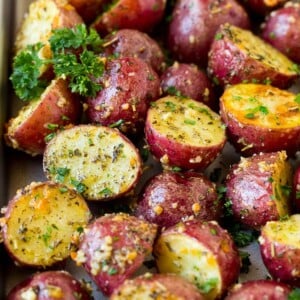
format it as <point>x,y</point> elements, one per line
<point>74,57</point>
<point>26,73</point>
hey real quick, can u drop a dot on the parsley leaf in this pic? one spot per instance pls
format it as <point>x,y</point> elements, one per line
<point>74,57</point>
<point>26,72</point>
<point>294,294</point>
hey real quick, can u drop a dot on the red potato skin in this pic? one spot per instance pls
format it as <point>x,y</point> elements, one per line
<point>134,43</point>
<point>259,289</point>
<point>172,197</point>
<point>127,232</point>
<point>58,106</point>
<point>296,189</point>
<point>249,190</point>
<point>71,288</point>
<point>280,30</point>
<point>194,24</point>
<point>179,154</point>
<point>172,286</point>
<point>231,66</point>
<point>190,81</point>
<point>142,15</point>
<point>130,84</point>
<point>89,9</point>
<point>220,244</point>
<point>282,261</point>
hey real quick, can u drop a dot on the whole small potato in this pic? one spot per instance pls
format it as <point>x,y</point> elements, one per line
<point>281,30</point>
<point>259,188</point>
<point>259,289</point>
<point>189,81</point>
<point>194,24</point>
<point>113,248</point>
<point>89,9</point>
<point>130,84</point>
<point>171,197</point>
<point>134,43</point>
<point>280,249</point>
<point>142,15</point>
<point>49,285</point>
<point>202,252</point>
<point>296,188</point>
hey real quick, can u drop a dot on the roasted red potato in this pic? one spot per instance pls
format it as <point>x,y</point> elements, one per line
<point>142,15</point>
<point>280,249</point>
<point>171,197</point>
<point>134,43</point>
<point>43,17</point>
<point>41,224</point>
<point>262,7</point>
<point>261,118</point>
<point>113,247</point>
<point>38,121</point>
<point>238,56</point>
<point>296,189</point>
<point>258,290</point>
<point>97,161</point>
<point>189,81</point>
<point>280,29</point>
<point>201,252</point>
<point>89,9</point>
<point>49,285</point>
<point>184,133</point>
<point>194,23</point>
<point>163,286</point>
<point>259,188</point>
<point>130,84</point>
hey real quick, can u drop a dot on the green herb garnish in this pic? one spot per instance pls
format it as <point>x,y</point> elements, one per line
<point>80,68</point>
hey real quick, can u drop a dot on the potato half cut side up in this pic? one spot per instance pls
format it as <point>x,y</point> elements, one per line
<point>99,162</point>
<point>42,18</point>
<point>261,118</point>
<point>41,223</point>
<point>237,55</point>
<point>184,133</point>
<point>201,252</point>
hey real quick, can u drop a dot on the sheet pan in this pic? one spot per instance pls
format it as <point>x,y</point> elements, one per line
<point>18,169</point>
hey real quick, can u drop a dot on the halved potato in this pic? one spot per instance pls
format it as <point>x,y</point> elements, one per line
<point>163,286</point>
<point>201,252</point>
<point>237,55</point>
<point>261,118</point>
<point>99,162</point>
<point>280,249</point>
<point>183,132</point>
<point>44,16</point>
<point>41,223</point>
<point>38,121</point>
